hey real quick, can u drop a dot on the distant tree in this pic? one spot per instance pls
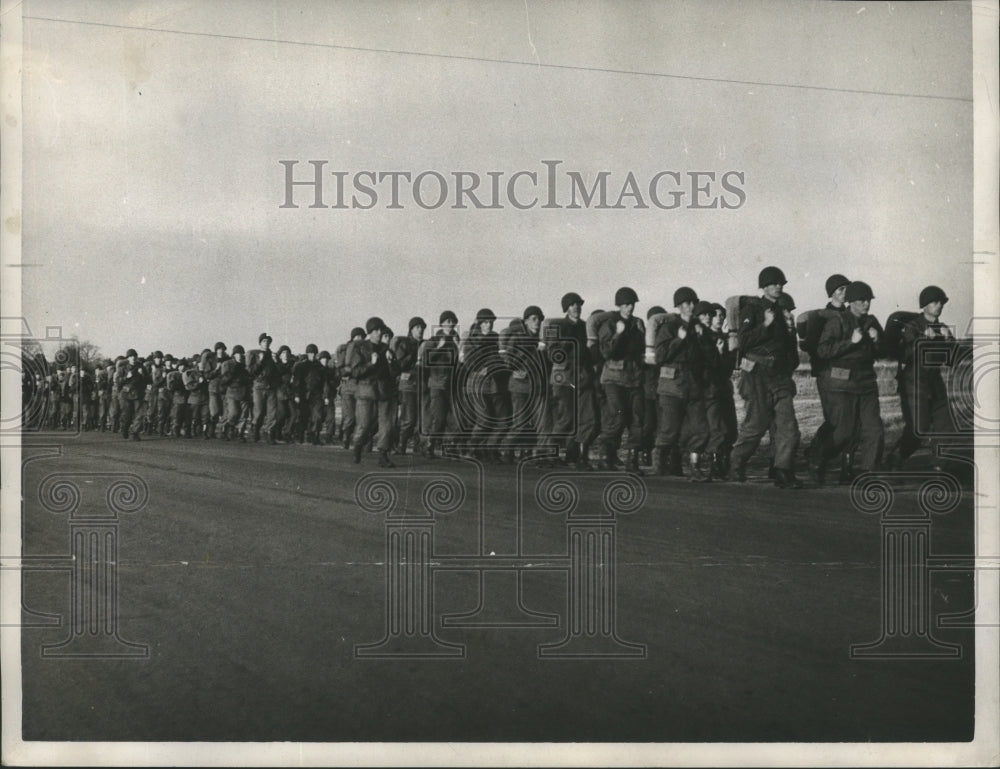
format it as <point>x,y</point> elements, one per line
<point>77,352</point>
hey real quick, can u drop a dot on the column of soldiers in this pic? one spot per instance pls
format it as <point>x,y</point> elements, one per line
<point>548,389</point>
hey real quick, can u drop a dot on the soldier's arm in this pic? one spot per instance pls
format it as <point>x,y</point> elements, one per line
<point>834,341</point>
<point>753,332</point>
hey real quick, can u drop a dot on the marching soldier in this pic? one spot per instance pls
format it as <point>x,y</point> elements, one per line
<point>923,394</point>
<point>483,387</point>
<point>276,419</point>
<point>327,427</point>
<point>177,385</point>
<point>197,387</point>
<point>87,399</point>
<point>372,368</point>
<point>235,380</point>
<point>440,359</point>
<point>650,381</point>
<point>308,391</point>
<point>622,341</point>
<point>216,392</point>
<point>157,375</point>
<point>102,392</point>
<point>680,360</point>
<point>349,390</point>
<point>263,371</point>
<point>131,381</point>
<point>572,383</point>
<point>769,356</point>
<point>406,351</point>
<point>720,405</point>
<point>850,343</point>
<point>528,381</point>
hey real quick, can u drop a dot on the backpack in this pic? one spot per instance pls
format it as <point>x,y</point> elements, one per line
<point>892,340</point>
<point>809,327</point>
<point>735,305</point>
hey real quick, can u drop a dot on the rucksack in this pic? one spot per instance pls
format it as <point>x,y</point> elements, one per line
<point>809,327</point>
<point>892,340</point>
<point>735,305</point>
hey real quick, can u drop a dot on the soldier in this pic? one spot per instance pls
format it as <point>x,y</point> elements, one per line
<point>308,386</point>
<point>836,289</point>
<point>235,380</point>
<point>484,386</point>
<point>87,396</point>
<point>131,381</point>
<point>850,343</point>
<point>177,386</point>
<point>720,405</point>
<point>67,384</point>
<point>440,359</point>
<point>528,383</point>
<point>372,369</point>
<point>650,382</point>
<point>197,387</point>
<point>622,341</point>
<point>216,392</point>
<point>572,380</point>
<point>263,371</point>
<point>102,393</point>
<point>923,394</point>
<point>769,356</point>
<point>157,375</point>
<point>406,351</point>
<point>115,407</point>
<point>348,390</point>
<point>276,419</point>
<point>680,359</point>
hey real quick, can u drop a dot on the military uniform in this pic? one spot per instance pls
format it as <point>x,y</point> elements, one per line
<point>572,382</point>
<point>851,386</point>
<point>349,390</point>
<point>216,392</point>
<point>769,356</point>
<point>308,386</point>
<point>406,351</point>
<point>375,375</point>
<point>235,379</point>
<point>131,381</point>
<point>527,384</point>
<point>263,370</point>
<point>440,359</point>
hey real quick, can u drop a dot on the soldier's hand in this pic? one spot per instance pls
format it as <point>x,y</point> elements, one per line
<point>374,358</point>
<point>326,401</point>
<point>720,345</point>
<point>620,327</point>
<point>856,336</point>
<point>768,316</point>
<point>388,355</point>
<point>297,399</point>
<point>682,333</point>
<point>128,375</point>
<point>699,329</point>
<point>440,342</point>
<point>946,332</point>
<point>929,333</point>
<point>873,334</point>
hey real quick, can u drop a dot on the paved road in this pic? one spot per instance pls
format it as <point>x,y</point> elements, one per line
<point>252,574</point>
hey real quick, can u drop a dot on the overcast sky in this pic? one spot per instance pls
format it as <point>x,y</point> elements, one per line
<point>153,134</point>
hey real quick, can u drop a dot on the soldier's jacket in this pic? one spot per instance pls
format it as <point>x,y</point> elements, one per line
<point>374,380</point>
<point>87,390</point>
<point>814,329</point>
<point>773,347</point>
<point>263,369</point>
<point>680,362</point>
<point>527,364</point>
<point>131,381</point>
<point>570,359</point>
<point>850,364</point>
<point>284,374</point>
<point>102,382</point>
<point>483,364</point>
<point>196,386</point>
<point>332,382</point>
<point>406,351</point>
<point>157,378</point>
<point>347,384</point>
<point>623,353</point>
<point>214,375</point>
<point>234,380</point>
<point>718,365</point>
<point>308,380</point>
<point>439,356</point>
<point>912,331</point>
<point>174,384</point>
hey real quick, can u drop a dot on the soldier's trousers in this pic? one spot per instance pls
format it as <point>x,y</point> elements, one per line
<point>310,416</point>
<point>327,423</point>
<point>276,417</point>
<point>720,412</point>
<point>265,402</point>
<point>526,420</point>
<point>234,411</point>
<point>114,411</point>
<point>650,423</point>
<point>181,412</point>
<point>198,417</point>
<point>216,407</point>
<point>131,415</point>
<point>682,416</point>
<point>409,418</point>
<point>625,407</point>
<point>490,412</point>
<point>438,404</point>
<point>926,411</point>
<point>574,414</point>
<point>767,399</point>
<point>103,406</point>
<point>371,413</point>
<point>854,417</point>
<point>349,417</point>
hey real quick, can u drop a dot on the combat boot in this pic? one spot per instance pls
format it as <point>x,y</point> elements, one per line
<point>676,465</point>
<point>785,479</point>
<point>846,471</point>
<point>696,475</point>
<point>356,451</point>
<point>659,461</point>
<point>632,462</point>
<point>741,471</point>
<point>383,459</point>
<point>270,438</point>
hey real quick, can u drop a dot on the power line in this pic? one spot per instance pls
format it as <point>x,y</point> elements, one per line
<point>532,64</point>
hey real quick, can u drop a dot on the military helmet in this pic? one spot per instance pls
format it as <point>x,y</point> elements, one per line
<point>130,353</point>
<point>858,291</point>
<point>770,276</point>
<point>655,310</point>
<point>532,309</point>
<point>785,302</point>
<point>284,348</point>
<point>220,346</point>
<point>484,315</point>
<point>625,295</point>
<point>416,321</point>
<point>238,350</point>
<point>684,294</point>
<point>312,348</point>
<point>448,315</point>
<point>357,331</point>
<point>374,324</point>
<point>932,294</point>
<point>570,299</point>
<point>704,308</point>
<point>834,282</point>
<point>325,355</point>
